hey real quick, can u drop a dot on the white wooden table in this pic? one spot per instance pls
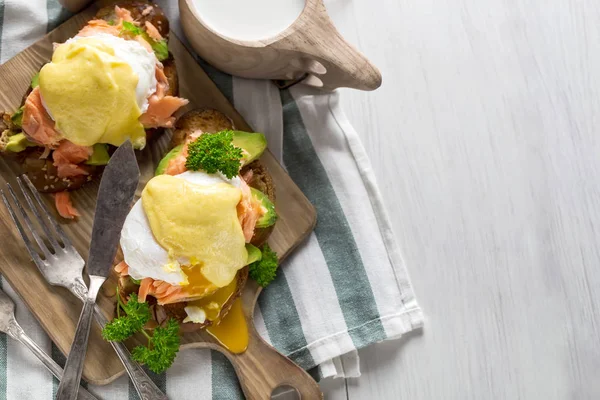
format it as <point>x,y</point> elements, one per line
<point>485,138</point>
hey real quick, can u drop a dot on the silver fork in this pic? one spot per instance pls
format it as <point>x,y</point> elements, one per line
<point>62,265</point>
<point>10,326</point>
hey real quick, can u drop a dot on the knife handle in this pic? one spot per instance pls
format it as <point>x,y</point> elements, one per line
<point>69,385</point>
<point>142,382</point>
<point>146,389</point>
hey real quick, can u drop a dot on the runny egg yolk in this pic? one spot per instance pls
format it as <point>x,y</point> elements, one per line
<point>91,94</point>
<point>196,283</point>
<point>231,331</point>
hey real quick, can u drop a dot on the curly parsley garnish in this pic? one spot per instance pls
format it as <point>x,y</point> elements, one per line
<point>163,344</point>
<point>162,348</point>
<point>264,270</point>
<point>214,152</point>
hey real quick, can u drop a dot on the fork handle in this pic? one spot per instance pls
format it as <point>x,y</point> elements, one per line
<point>69,385</point>
<point>140,379</point>
<point>17,333</point>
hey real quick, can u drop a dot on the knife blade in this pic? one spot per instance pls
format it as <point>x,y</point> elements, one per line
<point>117,189</point>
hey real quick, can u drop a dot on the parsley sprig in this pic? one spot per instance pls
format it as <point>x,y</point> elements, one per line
<point>162,348</point>
<point>263,271</point>
<point>214,152</point>
<point>163,344</point>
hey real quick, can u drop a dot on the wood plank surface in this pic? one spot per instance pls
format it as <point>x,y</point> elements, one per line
<point>484,140</point>
<point>56,309</point>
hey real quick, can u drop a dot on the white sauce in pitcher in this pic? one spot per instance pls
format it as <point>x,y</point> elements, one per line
<point>249,19</point>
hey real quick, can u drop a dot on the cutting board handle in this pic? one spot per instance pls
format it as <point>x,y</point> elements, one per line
<point>325,54</point>
<point>261,369</point>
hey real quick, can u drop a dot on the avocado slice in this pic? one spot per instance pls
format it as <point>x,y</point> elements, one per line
<point>17,117</point>
<point>254,253</point>
<point>17,143</point>
<point>35,81</point>
<point>162,165</point>
<point>253,144</point>
<point>99,156</point>
<point>270,216</point>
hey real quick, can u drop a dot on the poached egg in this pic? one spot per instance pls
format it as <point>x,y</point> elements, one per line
<point>96,87</point>
<point>185,231</point>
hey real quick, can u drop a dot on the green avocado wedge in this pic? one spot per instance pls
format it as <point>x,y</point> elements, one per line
<point>17,143</point>
<point>162,165</point>
<point>270,216</point>
<point>99,156</point>
<point>253,144</point>
<point>254,253</point>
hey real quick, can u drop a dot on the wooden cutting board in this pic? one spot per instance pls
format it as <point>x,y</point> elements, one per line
<point>58,310</point>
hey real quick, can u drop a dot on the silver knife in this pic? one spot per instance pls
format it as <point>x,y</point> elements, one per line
<point>117,189</point>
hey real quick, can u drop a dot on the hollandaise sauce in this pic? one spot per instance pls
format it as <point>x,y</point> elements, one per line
<point>208,233</point>
<point>232,330</point>
<point>86,75</point>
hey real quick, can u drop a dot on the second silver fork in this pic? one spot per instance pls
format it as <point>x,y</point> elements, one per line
<point>62,265</point>
<point>10,326</point>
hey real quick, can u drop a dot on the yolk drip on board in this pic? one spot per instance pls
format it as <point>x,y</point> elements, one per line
<point>231,331</point>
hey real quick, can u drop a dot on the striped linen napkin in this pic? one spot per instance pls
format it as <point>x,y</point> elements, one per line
<point>344,288</point>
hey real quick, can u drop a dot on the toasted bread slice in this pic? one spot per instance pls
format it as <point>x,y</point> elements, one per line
<point>206,120</point>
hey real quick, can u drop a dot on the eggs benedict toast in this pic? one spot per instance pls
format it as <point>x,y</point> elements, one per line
<point>197,233</point>
<point>115,80</point>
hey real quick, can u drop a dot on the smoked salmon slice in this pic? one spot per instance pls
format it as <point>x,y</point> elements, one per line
<point>152,31</point>
<point>249,211</point>
<point>65,208</point>
<point>160,107</point>
<point>96,26</point>
<point>162,291</point>
<point>37,124</point>
<point>67,156</point>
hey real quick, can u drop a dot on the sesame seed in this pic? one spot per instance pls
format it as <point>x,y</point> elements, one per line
<point>51,176</point>
<point>45,187</point>
<point>51,186</point>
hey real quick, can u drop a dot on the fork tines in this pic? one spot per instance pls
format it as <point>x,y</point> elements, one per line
<point>55,238</point>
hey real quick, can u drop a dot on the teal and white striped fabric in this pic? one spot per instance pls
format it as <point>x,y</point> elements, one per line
<point>345,288</point>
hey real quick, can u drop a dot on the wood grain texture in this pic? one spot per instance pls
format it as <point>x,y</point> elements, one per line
<point>484,140</point>
<point>311,45</point>
<point>56,309</point>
